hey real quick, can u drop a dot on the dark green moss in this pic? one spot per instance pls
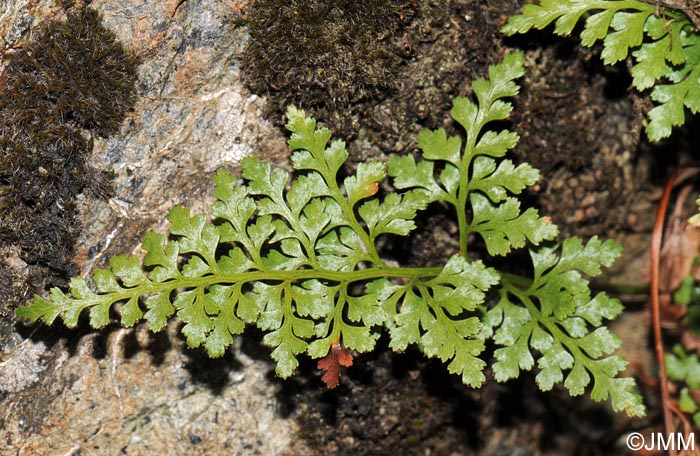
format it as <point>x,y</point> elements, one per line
<point>325,52</point>
<point>72,72</point>
<point>72,80</point>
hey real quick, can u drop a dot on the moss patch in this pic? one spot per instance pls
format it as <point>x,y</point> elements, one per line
<point>321,53</point>
<point>72,80</point>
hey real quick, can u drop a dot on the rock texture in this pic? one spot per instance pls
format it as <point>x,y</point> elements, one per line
<point>128,391</point>
<point>131,392</point>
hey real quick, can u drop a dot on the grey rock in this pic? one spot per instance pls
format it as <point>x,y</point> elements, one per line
<point>126,390</point>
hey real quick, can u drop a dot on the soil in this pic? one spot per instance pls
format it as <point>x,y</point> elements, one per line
<point>578,123</point>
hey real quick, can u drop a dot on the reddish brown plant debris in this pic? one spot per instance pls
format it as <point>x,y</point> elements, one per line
<point>336,357</point>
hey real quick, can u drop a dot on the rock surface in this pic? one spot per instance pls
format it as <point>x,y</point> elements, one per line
<point>132,392</point>
<point>128,391</point>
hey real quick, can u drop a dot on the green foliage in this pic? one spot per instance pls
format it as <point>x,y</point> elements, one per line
<point>688,294</point>
<point>685,369</point>
<point>553,316</point>
<point>296,255</point>
<point>695,218</point>
<point>664,46</point>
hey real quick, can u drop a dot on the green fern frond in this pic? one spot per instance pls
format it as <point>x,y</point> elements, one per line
<point>554,316</point>
<point>665,49</point>
<point>296,255</point>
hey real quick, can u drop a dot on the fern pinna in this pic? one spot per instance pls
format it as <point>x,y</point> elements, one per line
<point>663,45</point>
<point>296,255</point>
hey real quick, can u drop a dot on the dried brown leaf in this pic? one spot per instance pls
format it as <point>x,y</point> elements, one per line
<point>331,363</point>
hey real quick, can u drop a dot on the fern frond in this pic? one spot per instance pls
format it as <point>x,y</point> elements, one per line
<point>556,317</point>
<point>665,49</point>
<point>296,255</point>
